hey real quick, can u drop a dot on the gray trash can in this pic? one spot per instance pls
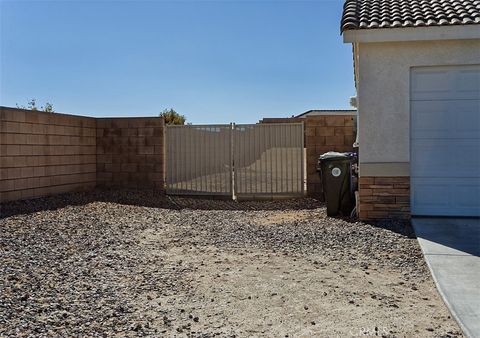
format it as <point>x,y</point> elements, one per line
<point>336,173</point>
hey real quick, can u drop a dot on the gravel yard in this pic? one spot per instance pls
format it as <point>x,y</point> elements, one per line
<point>132,264</point>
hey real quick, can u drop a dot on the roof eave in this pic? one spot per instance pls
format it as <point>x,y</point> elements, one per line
<point>329,112</point>
<point>458,32</point>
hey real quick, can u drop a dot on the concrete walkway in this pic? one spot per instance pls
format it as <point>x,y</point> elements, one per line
<point>452,250</point>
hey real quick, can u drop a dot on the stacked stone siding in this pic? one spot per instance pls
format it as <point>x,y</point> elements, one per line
<point>384,198</point>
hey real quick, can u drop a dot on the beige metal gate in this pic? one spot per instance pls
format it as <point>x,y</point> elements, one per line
<point>241,161</point>
<point>268,160</point>
<point>199,160</point>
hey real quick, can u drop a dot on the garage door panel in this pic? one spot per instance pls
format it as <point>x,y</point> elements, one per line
<point>429,159</point>
<point>446,119</point>
<point>446,83</point>
<point>431,84</point>
<point>467,195</point>
<point>467,84</point>
<point>427,193</point>
<point>466,123</point>
<point>453,197</point>
<point>445,158</point>
<point>445,141</point>
<point>430,119</point>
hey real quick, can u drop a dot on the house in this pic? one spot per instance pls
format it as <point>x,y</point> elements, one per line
<point>417,74</point>
<point>320,112</point>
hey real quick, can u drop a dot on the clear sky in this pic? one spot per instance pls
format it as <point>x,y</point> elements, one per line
<point>214,61</point>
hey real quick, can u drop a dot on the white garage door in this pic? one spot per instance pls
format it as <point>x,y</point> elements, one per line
<point>445,141</point>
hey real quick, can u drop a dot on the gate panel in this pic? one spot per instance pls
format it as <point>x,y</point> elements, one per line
<point>269,160</point>
<point>199,160</point>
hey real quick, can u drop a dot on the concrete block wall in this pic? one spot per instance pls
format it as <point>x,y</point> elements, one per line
<point>130,153</point>
<point>45,153</point>
<point>281,120</point>
<point>322,134</point>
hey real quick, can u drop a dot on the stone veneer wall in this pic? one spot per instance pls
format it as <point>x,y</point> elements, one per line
<point>45,153</point>
<point>384,198</point>
<point>322,134</point>
<point>130,153</point>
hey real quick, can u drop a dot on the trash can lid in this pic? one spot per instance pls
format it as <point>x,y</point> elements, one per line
<point>334,154</point>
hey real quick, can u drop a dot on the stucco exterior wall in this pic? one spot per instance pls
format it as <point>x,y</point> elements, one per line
<point>383,87</point>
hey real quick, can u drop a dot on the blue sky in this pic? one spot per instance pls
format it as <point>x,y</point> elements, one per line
<point>214,61</point>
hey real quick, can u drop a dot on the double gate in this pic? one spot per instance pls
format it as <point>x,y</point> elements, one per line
<point>236,160</point>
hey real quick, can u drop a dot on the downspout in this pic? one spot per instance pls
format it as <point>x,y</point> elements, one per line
<point>355,101</point>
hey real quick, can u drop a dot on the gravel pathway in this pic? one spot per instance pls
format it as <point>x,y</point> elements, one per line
<point>134,264</point>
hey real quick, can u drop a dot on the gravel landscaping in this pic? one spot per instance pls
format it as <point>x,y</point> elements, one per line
<point>137,264</point>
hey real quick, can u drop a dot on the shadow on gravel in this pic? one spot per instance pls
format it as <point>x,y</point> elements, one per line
<point>401,227</point>
<point>44,204</point>
<point>259,205</point>
<point>138,198</point>
<point>150,199</point>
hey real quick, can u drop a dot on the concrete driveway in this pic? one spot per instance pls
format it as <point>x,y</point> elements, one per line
<point>452,250</point>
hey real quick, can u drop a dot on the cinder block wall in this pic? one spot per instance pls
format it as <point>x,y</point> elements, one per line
<point>45,153</point>
<point>130,153</point>
<point>322,134</point>
<point>281,120</point>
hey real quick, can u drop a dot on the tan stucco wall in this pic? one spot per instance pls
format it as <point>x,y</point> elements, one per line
<point>383,86</point>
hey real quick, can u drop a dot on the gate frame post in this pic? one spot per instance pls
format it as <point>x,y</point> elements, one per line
<point>232,161</point>
<point>303,175</point>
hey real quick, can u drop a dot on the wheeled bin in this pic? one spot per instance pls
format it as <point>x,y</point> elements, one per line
<point>336,174</point>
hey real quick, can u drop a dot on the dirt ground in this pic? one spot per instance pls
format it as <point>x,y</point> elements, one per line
<point>133,264</point>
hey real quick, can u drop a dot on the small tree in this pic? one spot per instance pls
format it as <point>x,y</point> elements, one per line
<point>48,108</point>
<point>172,117</point>
<point>32,105</point>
